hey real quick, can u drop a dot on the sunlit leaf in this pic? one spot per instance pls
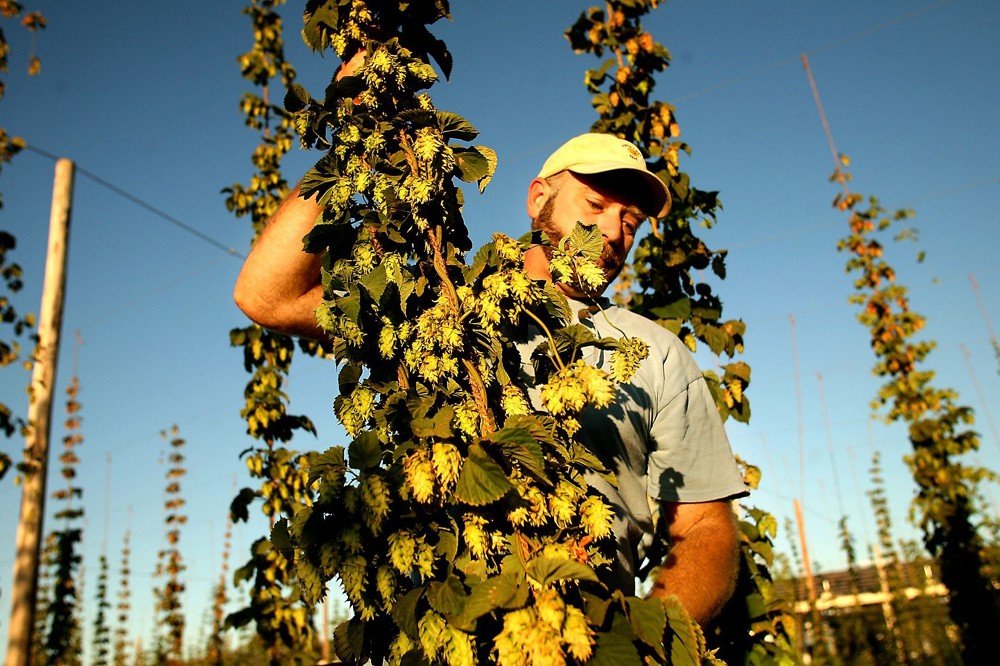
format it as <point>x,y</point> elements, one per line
<point>482,480</point>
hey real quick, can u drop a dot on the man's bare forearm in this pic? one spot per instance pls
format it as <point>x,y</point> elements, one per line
<point>701,567</point>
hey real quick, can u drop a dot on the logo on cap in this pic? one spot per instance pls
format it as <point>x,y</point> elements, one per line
<point>632,151</point>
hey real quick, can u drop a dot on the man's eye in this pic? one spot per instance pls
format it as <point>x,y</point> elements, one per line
<point>595,206</point>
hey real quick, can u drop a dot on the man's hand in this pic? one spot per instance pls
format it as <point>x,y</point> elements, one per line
<point>352,65</point>
<point>701,567</point>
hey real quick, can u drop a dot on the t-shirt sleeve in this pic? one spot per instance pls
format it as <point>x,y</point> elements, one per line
<point>690,459</point>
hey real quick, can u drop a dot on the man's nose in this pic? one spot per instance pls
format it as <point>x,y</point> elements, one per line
<point>611,225</point>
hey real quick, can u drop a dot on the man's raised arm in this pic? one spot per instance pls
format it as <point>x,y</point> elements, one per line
<point>279,285</point>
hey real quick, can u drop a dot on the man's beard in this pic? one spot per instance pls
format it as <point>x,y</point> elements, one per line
<point>610,261</point>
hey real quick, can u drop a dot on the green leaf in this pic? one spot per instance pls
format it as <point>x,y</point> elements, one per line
<point>491,161</point>
<point>738,369</point>
<point>574,335</point>
<point>684,644</point>
<point>476,164</point>
<point>595,607</point>
<point>365,451</point>
<point>240,618</point>
<point>477,604</point>
<point>281,539</point>
<point>706,312</point>
<point>323,465</point>
<point>648,621</point>
<point>484,256</point>
<point>244,573</point>
<point>319,18</point>
<point>414,117</point>
<point>547,570</point>
<point>508,590</point>
<point>421,37</point>
<point>482,480</point>
<point>347,87</point>
<point>309,577</point>
<point>437,426</point>
<point>539,430</point>
<point>455,126</point>
<point>448,597</point>
<point>520,445</point>
<point>239,509</point>
<point>719,266</point>
<point>375,283</point>
<point>447,545</point>
<point>349,376</point>
<point>472,164</point>
<point>615,647</point>
<point>297,98</point>
<point>716,338</point>
<point>679,308</point>
<point>556,304</point>
<point>404,612</point>
<point>350,304</point>
<point>348,639</point>
<point>585,240</point>
<point>756,608</point>
<point>581,455</point>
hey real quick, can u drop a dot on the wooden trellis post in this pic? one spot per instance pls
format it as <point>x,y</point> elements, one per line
<point>29,527</point>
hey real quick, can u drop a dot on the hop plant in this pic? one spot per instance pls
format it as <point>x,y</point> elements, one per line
<point>272,602</point>
<point>456,519</point>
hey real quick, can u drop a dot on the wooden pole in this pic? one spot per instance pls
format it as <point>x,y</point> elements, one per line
<point>983,403</point>
<point>29,528</point>
<point>819,631</point>
<point>800,522</point>
<point>887,610</point>
<point>982,309</point>
<point>324,632</point>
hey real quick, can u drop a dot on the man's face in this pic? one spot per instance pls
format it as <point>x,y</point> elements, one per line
<point>606,200</point>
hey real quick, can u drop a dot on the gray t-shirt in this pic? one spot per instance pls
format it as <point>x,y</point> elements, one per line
<point>662,436</point>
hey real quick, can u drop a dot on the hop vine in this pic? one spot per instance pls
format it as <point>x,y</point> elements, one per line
<point>170,563</point>
<point>63,621</point>
<point>938,426</point>
<point>123,607</point>
<point>220,597</point>
<point>661,284</point>
<point>101,637</point>
<point>274,605</point>
<point>663,281</point>
<point>17,326</point>
<point>458,519</point>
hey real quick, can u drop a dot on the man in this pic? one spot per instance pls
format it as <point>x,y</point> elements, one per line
<point>662,436</point>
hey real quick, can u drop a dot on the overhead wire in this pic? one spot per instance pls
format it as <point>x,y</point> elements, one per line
<point>180,224</point>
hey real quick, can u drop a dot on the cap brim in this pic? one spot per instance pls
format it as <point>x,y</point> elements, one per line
<point>659,194</point>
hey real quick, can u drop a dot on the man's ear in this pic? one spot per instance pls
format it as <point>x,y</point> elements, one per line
<point>538,194</point>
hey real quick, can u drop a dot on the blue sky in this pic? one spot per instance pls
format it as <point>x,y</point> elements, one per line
<point>146,97</point>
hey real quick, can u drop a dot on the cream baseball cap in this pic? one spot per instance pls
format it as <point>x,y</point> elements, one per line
<point>596,153</point>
